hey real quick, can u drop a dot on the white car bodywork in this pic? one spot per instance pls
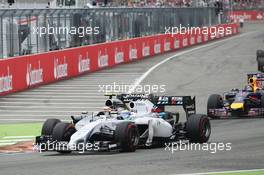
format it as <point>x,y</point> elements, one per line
<point>140,114</point>
<point>143,115</point>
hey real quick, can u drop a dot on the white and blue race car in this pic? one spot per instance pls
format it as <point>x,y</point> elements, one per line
<point>127,121</point>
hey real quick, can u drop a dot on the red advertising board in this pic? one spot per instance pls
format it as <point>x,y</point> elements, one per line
<point>247,15</point>
<point>20,73</point>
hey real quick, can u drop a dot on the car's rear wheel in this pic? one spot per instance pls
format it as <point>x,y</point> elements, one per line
<point>48,126</point>
<point>261,64</point>
<point>62,132</point>
<point>126,134</point>
<point>262,102</point>
<point>198,128</point>
<point>260,53</point>
<point>215,101</point>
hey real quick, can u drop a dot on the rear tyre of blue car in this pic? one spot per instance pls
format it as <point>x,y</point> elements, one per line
<point>262,103</point>
<point>126,134</point>
<point>261,64</point>
<point>260,60</point>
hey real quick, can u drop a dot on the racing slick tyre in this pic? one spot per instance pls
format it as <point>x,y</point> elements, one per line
<point>260,54</point>
<point>198,128</point>
<point>126,134</point>
<point>62,132</point>
<point>262,101</point>
<point>48,126</point>
<point>215,101</point>
<point>261,64</point>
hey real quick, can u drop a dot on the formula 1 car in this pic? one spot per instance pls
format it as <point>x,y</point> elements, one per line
<point>128,121</point>
<point>260,60</point>
<point>248,102</point>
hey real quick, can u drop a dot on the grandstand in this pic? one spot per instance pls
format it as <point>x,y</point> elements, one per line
<point>247,4</point>
<point>44,3</point>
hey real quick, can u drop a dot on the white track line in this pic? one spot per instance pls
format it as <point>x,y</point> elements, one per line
<point>27,93</point>
<point>34,113</point>
<point>48,111</point>
<point>52,107</point>
<point>4,144</point>
<point>71,86</point>
<point>53,99</point>
<point>106,78</point>
<point>34,117</point>
<point>2,103</point>
<point>222,172</point>
<point>142,77</point>
<point>30,119</point>
<point>68,90</point>
<point>95,81</point>
<point>40,111</point>
<point>18,137</point>
<point>14,140</point>
<point>79,87</point>
<point>101,74</point>
<point>89,100</point>
<point>56,96</point>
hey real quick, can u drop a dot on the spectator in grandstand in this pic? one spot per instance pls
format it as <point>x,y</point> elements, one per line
<point>249,4</point>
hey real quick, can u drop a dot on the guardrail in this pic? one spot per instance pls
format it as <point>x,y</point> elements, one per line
<point>24,72</point>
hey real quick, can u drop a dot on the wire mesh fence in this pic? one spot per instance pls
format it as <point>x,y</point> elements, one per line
<point>30,31</point>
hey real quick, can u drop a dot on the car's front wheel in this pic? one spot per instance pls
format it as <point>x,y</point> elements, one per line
<point>215,101</point>
<point>62,132</point>
<point>48,126</point>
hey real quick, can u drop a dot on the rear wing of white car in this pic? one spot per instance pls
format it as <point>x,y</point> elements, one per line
<point>187,102</point>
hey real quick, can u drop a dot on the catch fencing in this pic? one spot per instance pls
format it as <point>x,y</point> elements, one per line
<point>20,28</point>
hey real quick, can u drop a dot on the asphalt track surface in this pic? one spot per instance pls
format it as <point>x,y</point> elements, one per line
<point>213,69</point>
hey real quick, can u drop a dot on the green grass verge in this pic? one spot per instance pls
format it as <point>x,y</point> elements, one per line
<point>242,173</point>
<point>20,129</point>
